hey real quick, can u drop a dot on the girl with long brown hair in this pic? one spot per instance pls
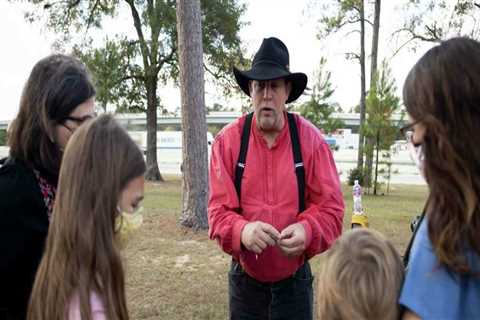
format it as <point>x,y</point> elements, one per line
<point>100,188</point>
<point>57,98</point>
<point>442,98</point>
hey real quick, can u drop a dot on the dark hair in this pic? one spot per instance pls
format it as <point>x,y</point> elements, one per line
<point>55,87</point>
<point>442,91</point>
<point>82,254</point>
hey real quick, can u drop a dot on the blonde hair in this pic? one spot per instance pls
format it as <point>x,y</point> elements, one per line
<point>81,255</point>
<point>360,278</point>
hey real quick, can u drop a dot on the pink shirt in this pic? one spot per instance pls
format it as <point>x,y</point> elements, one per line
<point>98,311</point>
<point>269,194</point>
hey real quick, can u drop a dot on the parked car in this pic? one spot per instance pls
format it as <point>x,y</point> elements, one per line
<point>332,143</point>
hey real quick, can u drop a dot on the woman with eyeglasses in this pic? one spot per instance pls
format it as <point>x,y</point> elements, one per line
<point>57,98</point>
<point>100,190</point>
<point>442,98</point>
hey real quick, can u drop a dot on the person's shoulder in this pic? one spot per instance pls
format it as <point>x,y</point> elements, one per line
<point>432,290</point>
<point>13,173</point>
<point>233,130</point>
<point>18,188</point>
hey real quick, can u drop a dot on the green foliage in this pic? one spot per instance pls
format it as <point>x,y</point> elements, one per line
<point>382,103</point>
<point>346,12</point>
<point>421,22</point>
<point>3,137</point>
<point>117,77</point>
<point>319,109</point>
<point>386,170</point>
<point>122,67</point>
<point>355,174</point>
<point>216,107</point>
<point>221,44</point>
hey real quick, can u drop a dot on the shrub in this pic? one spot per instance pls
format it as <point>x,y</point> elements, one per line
<point>3,137</point>
<point>355,174</point>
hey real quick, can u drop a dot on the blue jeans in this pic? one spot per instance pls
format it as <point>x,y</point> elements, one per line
<point>289,299</point>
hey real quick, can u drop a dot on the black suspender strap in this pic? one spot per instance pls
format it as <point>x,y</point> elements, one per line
<point>297,159</point>
<point>243,154</point>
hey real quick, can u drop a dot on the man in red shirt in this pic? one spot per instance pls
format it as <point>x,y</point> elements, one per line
<point>277,203</point>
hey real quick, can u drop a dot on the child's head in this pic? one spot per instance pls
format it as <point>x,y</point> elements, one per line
<point>359,278</point>
<point>101,176</point>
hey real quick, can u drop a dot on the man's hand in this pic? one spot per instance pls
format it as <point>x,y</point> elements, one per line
<point>292,240</point>
<point>256,236</point>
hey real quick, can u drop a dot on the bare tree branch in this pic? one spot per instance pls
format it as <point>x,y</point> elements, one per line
<point>350,32</point>
<point>166,59</point>
<point>73,3</point>
<point>138,28</point>
<point>415,35</point>
<point>434,32</point>
<point>129,77</point>
<point>352,55</point>
<point>92,13</point>
<point>211,72</point>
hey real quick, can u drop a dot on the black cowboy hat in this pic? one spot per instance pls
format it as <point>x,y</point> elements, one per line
<point>272,62</point>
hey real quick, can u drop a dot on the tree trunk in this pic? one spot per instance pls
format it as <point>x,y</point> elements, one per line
<point>194,124</point>
<point>375,35</point>
<point>373,80</point>
<point>362,87</point>
<point>376,164</point>
<point>153,173</point>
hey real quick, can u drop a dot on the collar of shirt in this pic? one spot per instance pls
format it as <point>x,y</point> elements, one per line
<point>260,136</point>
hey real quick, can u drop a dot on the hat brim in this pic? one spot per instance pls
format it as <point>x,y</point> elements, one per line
<point>264,73</point>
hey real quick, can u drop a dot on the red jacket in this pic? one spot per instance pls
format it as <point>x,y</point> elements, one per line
<point>269,194</point>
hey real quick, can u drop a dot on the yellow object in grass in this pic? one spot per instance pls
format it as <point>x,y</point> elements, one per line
<point>359,220</point>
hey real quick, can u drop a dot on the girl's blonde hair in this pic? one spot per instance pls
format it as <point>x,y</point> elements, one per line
<point>81,254</point>
<point>360,278</point>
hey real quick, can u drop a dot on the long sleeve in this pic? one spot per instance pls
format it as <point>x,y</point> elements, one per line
<point>225,223</point>
<point>325,206</point>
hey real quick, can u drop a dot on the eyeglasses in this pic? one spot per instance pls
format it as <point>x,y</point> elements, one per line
<point>407,130</point>
<point>78,120</point>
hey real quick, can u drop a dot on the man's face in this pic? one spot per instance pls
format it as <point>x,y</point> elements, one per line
<point>268,99</point>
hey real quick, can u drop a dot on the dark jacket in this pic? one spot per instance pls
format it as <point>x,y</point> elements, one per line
<point>23,230</point>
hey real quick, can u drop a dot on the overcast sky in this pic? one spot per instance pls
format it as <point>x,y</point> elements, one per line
<point>290,20</point>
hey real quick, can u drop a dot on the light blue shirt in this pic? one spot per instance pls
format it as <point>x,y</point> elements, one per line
<point>433,292</point>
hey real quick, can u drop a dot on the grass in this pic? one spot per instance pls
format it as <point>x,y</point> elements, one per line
<point>174,273</point>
